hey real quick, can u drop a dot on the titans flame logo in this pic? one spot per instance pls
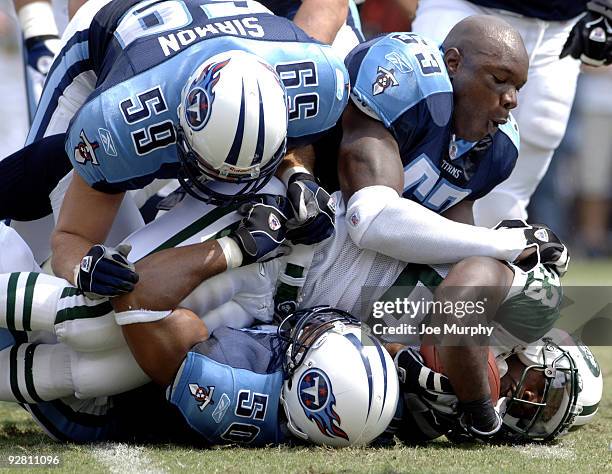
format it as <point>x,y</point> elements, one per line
<point>199,101</point>
<point>318,401</point>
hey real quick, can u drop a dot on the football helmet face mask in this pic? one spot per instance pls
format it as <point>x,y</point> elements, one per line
<point>232,127</point>
<point>338,391</point>
<point>567,386</point>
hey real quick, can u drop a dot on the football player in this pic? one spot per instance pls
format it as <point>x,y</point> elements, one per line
<point>317,379</point>
<point>547,388</point>
<point>303,88</point>
<point>427,133</point>
<point>581,29</point>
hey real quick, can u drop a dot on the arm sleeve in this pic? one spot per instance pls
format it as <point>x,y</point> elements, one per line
<point>29,175</point>
<point>379,219</point>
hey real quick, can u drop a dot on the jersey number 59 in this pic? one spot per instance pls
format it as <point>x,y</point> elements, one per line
<point>153,136</point>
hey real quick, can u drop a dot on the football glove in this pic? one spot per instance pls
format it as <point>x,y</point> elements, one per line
<point>261,233</point>
<point>434,409</point>
<point>430,406</point>
<point>314,212</point>
<point>106,271</point>
<point>591,38</point>
<point>549,249</point>
<point>40,52</point>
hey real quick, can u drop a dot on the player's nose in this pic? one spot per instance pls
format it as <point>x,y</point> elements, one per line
<point>509,99</point>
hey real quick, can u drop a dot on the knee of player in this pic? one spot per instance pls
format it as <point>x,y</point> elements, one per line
<point>478,271</point>
<point>477,278</point>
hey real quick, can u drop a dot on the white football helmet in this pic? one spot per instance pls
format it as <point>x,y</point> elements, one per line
<point>342,387</point>
<point>569,396</point>
<point>232,125</point>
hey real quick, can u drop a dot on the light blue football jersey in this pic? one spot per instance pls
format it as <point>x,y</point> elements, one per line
<point>400,79</point>
<point>143,52</point>
<point>228,387</point>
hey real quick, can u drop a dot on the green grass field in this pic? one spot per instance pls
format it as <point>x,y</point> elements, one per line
<point>588,450</point>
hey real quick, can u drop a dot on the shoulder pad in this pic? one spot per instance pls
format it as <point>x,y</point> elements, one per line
<point>393,73</point>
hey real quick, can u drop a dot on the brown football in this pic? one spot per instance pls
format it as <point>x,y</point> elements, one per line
<point>432,360</point>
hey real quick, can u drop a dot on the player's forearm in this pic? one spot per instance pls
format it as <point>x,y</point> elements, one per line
<point>379,219</point>
<point>296,160</point>
<point>322,19</point>
<point>168,276</point>
<point>68,250</point>
<point>159,347</point>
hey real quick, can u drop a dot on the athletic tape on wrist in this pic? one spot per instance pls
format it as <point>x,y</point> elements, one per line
<point>135,316</point>
<point>290,172</point>
<point>36,19</point>
<point>232,252</point>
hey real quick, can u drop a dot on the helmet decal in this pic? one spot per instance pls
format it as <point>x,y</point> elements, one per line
<point>318,401</point>
<point>261,132</point>
<point>199,100</point>
<point>234,153</point>
<point>366,364</point>
<point>589,359</point>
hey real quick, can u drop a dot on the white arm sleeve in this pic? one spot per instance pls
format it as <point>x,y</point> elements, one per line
<point>379,219</point>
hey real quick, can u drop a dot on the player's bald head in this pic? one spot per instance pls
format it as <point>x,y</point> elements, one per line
<point>486,37</point>
<point>487,63</point>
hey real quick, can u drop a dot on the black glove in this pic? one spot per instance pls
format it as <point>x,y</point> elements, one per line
<point>433,409</point>
<point>313,211</point>
<point>106,271</point>
<point>261,232</point>
<point>479,420</point>
<point>591,38</point>
<point>429,403</point>
<point>40,51</point>
<point>550,251</point>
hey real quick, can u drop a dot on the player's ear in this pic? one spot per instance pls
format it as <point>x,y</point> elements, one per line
<point>452,59</point>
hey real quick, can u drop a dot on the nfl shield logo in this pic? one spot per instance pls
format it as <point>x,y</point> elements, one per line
<point>273,222</point>
<point>542,235</point>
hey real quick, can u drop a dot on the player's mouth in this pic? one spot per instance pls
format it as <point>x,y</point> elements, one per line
<point>495,123</point>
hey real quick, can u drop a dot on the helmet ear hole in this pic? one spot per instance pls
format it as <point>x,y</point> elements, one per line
<point>232,125</point>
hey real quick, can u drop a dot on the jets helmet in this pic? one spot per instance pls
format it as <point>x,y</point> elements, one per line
<point>569,395</point>
<point>232,126</point>
<point>341,385</point>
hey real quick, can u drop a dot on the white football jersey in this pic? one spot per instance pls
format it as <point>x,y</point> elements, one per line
<point>341,273</point>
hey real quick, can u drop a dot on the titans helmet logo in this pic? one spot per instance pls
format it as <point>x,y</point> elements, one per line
<point>384,80</point>
<point>199,100</point>
<point>318,401</point>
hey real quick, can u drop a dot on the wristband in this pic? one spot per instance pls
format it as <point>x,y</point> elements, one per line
<point>232,252</point>
<point>36,19</point>
<point>135,316</point>
<point>290,172</point>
